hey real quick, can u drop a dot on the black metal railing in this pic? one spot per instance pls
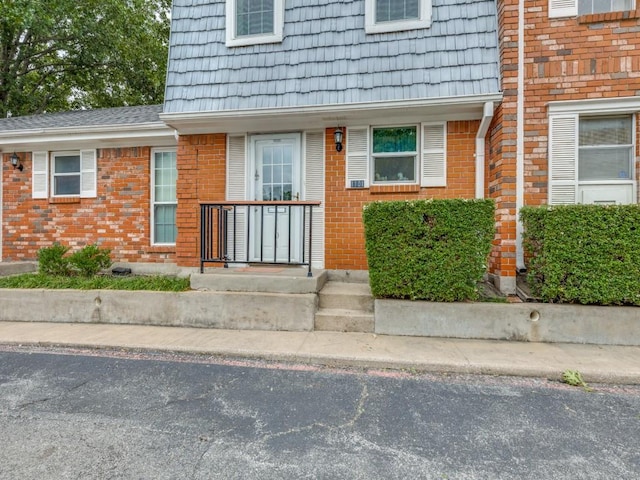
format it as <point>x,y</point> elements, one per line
<point>274,233</point>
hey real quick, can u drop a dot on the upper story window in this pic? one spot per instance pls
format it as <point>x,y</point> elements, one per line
<point>396,15</point>
<point>251,22</point>
<point>571,8</point>
<point>588,7</point>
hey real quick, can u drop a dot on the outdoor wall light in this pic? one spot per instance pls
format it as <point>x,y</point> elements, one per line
<point>338,134</point>
<point>15,161</point>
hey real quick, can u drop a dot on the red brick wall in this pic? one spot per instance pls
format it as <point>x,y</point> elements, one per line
<point>344,230</point>
<point>572,58</point>
<point>201,178</point>
<point>118,218</point>
<point>501,161</point>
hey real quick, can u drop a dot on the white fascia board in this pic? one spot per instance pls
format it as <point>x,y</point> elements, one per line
<point>596,106</point>
<point>316,116</point>
<point>155,134</point>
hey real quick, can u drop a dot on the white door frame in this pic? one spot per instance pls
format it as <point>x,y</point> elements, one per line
<point>254,177</point>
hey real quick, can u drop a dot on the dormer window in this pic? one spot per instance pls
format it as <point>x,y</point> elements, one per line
<point>252,22</point>
<point>396,15</point>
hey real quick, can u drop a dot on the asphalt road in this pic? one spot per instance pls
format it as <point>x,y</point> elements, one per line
<point>108,415</point>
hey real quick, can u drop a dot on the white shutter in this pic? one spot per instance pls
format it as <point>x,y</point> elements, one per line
<point>563,157</point>
<point>563,8</point>
<point>433,167</point>
<point>314,190</point>
<point>88,173</point>
<point>357,157</point>
<point>40,175</point>
<point>237,190</point>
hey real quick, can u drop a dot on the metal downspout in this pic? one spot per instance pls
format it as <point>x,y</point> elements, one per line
<point>487,116</point>
<point>520,138</point>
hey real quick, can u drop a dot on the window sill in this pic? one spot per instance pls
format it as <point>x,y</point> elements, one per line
<point>64,199</point>
<point>162,249</point>
<point>398,188</point>
<point>608,16</point>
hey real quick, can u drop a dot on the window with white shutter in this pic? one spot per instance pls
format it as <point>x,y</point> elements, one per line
<point>563,8</point>
<point>434,158</point>
<point>40,175</point>
<point>237,190</point>
<point>357,157</point>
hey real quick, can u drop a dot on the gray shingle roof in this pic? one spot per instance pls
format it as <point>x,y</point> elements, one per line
<point>84,118</point>
<point>326,57</point>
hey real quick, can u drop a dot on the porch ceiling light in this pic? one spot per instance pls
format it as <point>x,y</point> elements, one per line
<point>15,161</point>
<point>338,134</point>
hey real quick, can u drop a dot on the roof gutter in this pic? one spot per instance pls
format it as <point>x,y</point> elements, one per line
<point>487,116</point>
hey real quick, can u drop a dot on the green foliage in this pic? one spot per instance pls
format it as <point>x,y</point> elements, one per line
<point>52,260</point>
<point>98,282</point>
<point>574,378</point>
<point>57,55</point>
<point>89,260</point>
<point>86,262</point>
<point>588,254</point>
<point>428,250</point>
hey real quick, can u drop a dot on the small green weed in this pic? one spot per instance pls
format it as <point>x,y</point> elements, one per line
<point>574,378</point>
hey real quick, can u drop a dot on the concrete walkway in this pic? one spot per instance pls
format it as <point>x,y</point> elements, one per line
<point>597,363</point>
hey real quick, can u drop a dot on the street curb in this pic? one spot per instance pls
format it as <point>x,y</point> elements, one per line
<point>552,373</point>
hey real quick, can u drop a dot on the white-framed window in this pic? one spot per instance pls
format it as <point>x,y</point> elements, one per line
<point>252,22</point>
<point>396,15</point>
<point>164,175</point>
<point>591,158</point>
<point>587,7</point>
<point>64,174</point>
<point>397,154</point>
<point>394,154</point>
<point>571,8</point>
<point>605,148</point>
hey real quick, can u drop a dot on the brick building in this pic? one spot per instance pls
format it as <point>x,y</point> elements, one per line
<point>525,102</point>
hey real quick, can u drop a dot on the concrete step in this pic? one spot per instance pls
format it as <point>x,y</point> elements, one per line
<point>341,320</point>
<point>346,296</point>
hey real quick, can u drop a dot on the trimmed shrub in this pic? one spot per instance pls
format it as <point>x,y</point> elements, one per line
<point>89,260</point>
<point>588,254</point>
<point>86,262</point>
<point>429,249</point>
<point>52,260</point>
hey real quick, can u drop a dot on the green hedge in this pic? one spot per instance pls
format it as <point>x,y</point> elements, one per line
<point>587,254</point>
<point>428,250</point>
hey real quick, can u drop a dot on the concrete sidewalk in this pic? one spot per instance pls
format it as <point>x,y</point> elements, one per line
<point>597,363</point>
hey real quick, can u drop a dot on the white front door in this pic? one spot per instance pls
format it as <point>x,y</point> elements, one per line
<point>276,176</point>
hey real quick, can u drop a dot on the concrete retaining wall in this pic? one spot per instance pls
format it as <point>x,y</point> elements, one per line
<point>532,322</point>
<point>232,310</point>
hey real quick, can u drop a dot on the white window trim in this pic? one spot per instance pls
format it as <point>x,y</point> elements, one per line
<point>569,8</point>
<point>590,108</point>
<point>416,155</point>
<point>278,26</point>
<point>153,195</point>
<point>370,25</point>
<point>88,174</point>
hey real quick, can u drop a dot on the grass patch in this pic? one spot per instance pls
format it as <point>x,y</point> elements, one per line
<point>158,283</point>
